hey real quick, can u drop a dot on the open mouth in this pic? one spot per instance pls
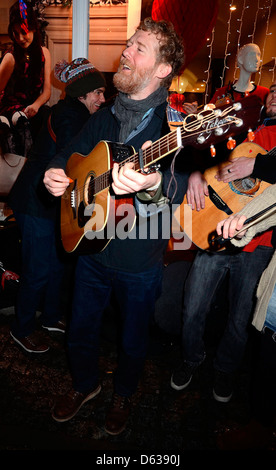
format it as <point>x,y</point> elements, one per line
<point>125,66</point>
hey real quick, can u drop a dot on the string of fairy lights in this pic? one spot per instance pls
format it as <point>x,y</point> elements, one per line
<point>240,21</point>
<point>267,33</point>
<point>263,12</point>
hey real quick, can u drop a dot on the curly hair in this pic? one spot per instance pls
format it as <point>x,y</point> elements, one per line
<point>171,48</point>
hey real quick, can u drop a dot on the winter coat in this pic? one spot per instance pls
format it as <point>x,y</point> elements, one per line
<point>268,279</point>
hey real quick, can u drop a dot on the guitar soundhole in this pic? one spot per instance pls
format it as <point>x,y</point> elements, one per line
<point>86,207</point>
<point>89,189</point>
<point>245,185</point>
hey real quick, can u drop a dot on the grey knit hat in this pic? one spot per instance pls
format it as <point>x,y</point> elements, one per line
<point>80,76</point>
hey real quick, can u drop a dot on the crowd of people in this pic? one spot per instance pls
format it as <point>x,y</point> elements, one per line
<point>130,265</point>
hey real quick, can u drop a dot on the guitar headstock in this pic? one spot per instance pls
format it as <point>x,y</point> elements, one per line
<point>211,126</point>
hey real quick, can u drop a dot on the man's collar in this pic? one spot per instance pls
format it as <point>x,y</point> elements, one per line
<point>270,121</point>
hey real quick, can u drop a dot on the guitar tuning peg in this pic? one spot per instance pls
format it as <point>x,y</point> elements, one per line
<point>212,150</point>
<point>250,135</point>
<point>231,144</point>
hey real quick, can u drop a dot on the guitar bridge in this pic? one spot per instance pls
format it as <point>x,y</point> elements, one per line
<point>73,199</point>
<point>218,201</point>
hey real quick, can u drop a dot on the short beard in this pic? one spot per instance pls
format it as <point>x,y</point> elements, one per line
<point>271,113</point>
<point>125,85</point>
<point>133,83</point>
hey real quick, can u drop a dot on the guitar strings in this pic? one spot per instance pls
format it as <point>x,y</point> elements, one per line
<point>164,144</point>
<point>167,143</point>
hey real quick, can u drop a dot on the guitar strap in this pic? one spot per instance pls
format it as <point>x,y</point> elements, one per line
<point>50,129</point>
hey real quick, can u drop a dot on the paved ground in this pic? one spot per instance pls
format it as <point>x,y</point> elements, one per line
<point>162,420</point>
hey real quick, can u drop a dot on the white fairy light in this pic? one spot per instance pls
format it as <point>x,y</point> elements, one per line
<point>266,34</point>
<point>209,65</point>
<point>239,36</point>
<point>226,54</point>
<point>273,69</point>
<point>255,22</point>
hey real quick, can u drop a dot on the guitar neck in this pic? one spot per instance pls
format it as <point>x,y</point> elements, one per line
<point>159,149</point>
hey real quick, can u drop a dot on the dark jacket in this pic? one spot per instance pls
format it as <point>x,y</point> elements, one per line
<point>133,255</point>
<point>29,195</point>
<point>265,167</point>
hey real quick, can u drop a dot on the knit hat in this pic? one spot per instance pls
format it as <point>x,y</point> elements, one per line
<point>80,77</point>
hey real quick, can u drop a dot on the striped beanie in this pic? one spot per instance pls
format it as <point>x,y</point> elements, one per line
<point>80,77</point>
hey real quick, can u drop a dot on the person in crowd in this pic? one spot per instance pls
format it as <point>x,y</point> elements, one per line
<point>130,267</point>
<point>244,268</point>
<point>25,85</point>
<point>36,212</point>
<point>248,61</point>
<point>258,432</point>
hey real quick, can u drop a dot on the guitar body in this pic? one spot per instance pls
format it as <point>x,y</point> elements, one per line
<point>86,212</point>
<point>225,198</point>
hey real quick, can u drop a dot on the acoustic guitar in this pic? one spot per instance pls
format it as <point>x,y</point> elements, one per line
<point>88,208</point>
<point>224,199</point>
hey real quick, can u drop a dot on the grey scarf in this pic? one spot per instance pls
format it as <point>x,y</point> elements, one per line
<point>130,112</point>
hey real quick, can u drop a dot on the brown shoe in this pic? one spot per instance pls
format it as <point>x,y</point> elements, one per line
<point>68,405</point>
<point>117,415</point>
<point>31,343</point>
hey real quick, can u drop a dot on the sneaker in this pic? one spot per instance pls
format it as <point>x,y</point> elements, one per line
<point>31,343</point>
<point>223,387</point>
<point>117,416</point>
<point>182,376</point>
<point>68,405</point>
<point>59,326</point>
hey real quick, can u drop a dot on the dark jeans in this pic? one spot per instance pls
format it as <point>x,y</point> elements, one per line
<point>41,275</point>
<point>206,275</point>
<point>136,294</point>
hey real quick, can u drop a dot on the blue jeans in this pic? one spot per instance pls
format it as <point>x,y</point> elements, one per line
<point>270,320</point>
<point>41,275</point>
<point>206,275</point>
<point>136,294</point>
